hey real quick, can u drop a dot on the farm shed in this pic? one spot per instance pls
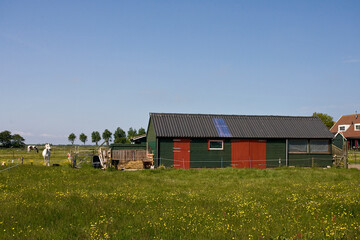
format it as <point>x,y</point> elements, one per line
<point>240,141</point>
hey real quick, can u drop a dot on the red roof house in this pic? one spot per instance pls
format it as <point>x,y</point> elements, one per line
<point>349,127</point>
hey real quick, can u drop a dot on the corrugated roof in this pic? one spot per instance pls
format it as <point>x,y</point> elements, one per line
<point>240,126</point>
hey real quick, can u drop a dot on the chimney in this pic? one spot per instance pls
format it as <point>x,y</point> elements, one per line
<point>356,114</point>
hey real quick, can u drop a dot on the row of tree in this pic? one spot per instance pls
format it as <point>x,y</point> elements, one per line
<point>9,140</point>
<point>119,136</point>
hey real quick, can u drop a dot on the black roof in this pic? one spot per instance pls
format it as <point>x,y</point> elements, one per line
<point>238,126</point>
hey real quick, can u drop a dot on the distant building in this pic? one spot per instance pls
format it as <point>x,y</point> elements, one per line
<point>240,141</point>
<point>349,127</point>
<point>141,139</point>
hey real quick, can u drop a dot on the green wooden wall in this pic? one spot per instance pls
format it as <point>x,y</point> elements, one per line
<point>275,150</point>
<point>201,157</point>
<point>166,154</point>
<point>151,141</point>
<point>338,141</point>
<point>305,160</point>
<point>117,146</point>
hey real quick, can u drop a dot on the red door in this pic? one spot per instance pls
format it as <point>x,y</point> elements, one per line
<point>258,154</point>
<point>181,152</point>
<point>246,153</point>
<point>240,153</point>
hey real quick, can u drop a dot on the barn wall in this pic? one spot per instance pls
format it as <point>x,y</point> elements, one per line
<point>275,150</point>
<point>151,141</point>
<point>166,152</point>
<point>127,146</point>
<point>338,141</point>
<point>305,160</point>
<point>201,157</point>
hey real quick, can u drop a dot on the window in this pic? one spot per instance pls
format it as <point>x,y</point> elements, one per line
<point>216,145</point>
<point>357,127</point>
<point>343,127</point>
<point>319,146</point>
<point>298,146</point>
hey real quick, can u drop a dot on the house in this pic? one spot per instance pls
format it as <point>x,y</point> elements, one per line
<point>141,139</point>
<point>241,141</point>
<point>349,127</point>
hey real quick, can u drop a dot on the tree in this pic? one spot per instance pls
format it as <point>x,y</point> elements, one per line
<point>107,136</point>
<point>119,136</point>
<point>72,138</point>
<point>141,131</point>
<point>5,138</point>
<point>17,141</point>
<point>326,119</point>
<point>131,133</point>
<point>83,138</point>
<point>95,137</point>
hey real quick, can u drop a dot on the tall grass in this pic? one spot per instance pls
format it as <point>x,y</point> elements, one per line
<point>40,202</point>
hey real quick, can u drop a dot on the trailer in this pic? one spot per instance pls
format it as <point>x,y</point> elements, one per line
<point>122,156</point>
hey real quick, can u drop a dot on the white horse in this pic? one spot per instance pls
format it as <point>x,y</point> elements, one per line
<point>32,147</point>
<point>46,154</point>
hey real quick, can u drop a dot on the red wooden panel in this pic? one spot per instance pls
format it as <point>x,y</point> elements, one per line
<point>240,153</point>
<point>181,152</point>
<point>258,153</point>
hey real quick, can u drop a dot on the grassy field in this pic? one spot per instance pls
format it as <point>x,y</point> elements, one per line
<point>58,154</point>
<point>40,202</point>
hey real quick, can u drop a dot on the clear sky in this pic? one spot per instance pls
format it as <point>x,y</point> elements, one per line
<point>83,66</point>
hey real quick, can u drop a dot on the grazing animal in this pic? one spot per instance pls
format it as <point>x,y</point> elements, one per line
<point>46,154</point>
<point>32,147</point>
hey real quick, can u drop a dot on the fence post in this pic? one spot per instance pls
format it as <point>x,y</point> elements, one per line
<point>183,164</point>
<point>355,156</point>
<point>312,162</point>
<point>346,155</point>
<point>74,161</point>
<point>221,162</point>
<point>279,162</point>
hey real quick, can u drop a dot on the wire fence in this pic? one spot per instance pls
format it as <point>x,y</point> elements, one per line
<point>248,163</point>
<point>7,165</point>
<point>354,157</point>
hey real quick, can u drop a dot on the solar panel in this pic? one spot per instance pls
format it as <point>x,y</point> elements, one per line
<point>221,127</point>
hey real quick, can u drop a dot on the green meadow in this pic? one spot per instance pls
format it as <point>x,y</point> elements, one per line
<point>39,202</point>
<point>58,154</point>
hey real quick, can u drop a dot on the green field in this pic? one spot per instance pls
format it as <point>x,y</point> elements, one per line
<point>58,154</point>
<point>40,202</point>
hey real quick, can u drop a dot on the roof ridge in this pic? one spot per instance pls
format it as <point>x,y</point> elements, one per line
<point>231,115</point>
<point>349,115</point>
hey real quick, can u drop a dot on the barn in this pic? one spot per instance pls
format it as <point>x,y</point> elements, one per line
<point>239,141</point>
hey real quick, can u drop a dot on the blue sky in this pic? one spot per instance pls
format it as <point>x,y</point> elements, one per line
<point>83,66</point>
